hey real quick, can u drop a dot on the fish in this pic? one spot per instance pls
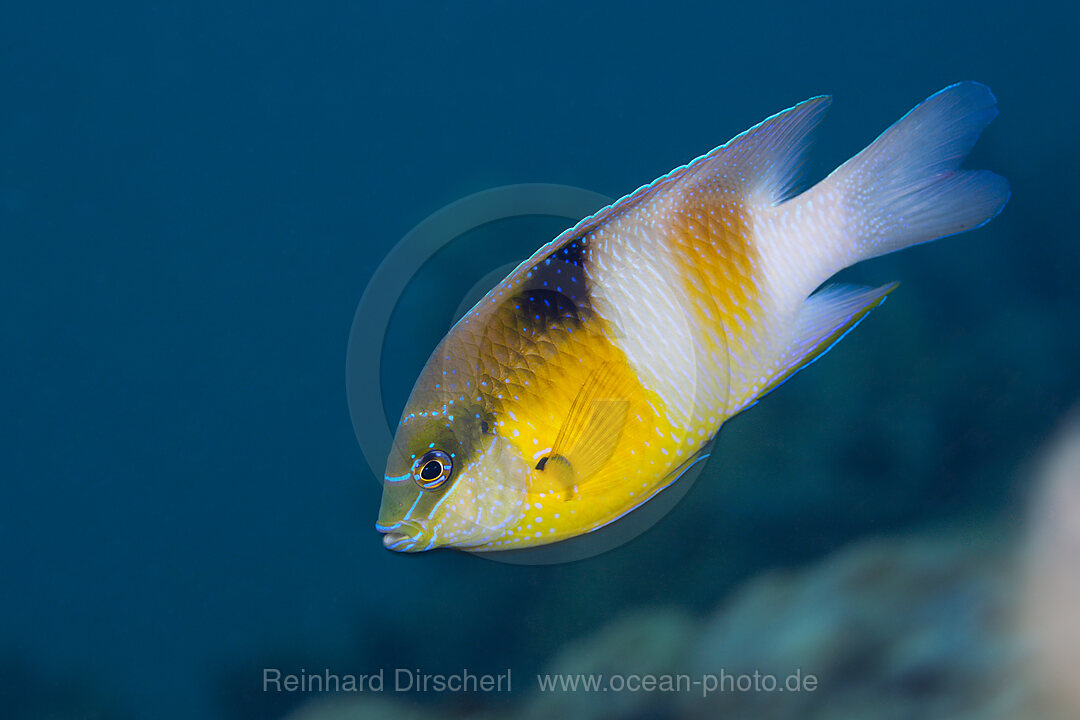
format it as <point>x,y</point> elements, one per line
<point>603,366</point>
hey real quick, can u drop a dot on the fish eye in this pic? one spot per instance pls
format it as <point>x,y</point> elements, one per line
<point>432,469</point>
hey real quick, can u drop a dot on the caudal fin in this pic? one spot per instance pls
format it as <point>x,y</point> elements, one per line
<point>906,188</point>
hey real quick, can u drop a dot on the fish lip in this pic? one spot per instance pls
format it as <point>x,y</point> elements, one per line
<point>394,540</point>
<point>400,537</point>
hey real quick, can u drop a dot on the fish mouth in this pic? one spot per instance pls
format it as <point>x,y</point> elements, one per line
<point>400,537</point>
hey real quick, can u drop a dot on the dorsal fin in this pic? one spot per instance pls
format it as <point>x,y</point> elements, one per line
<point>768,157</point>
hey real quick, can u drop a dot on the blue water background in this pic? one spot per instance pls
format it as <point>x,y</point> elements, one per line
<point>194,195</point>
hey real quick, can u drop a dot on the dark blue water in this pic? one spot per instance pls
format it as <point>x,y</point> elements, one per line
<point>194,195</point>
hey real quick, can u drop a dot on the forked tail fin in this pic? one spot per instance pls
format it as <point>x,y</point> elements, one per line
<point>907,187</point>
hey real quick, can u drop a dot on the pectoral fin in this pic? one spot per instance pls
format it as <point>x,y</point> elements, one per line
<point>591,432</point>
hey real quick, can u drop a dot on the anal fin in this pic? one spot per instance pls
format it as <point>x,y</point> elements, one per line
<point>825,318</point>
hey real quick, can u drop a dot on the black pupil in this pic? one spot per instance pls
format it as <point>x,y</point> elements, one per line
<point>432,470</point>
